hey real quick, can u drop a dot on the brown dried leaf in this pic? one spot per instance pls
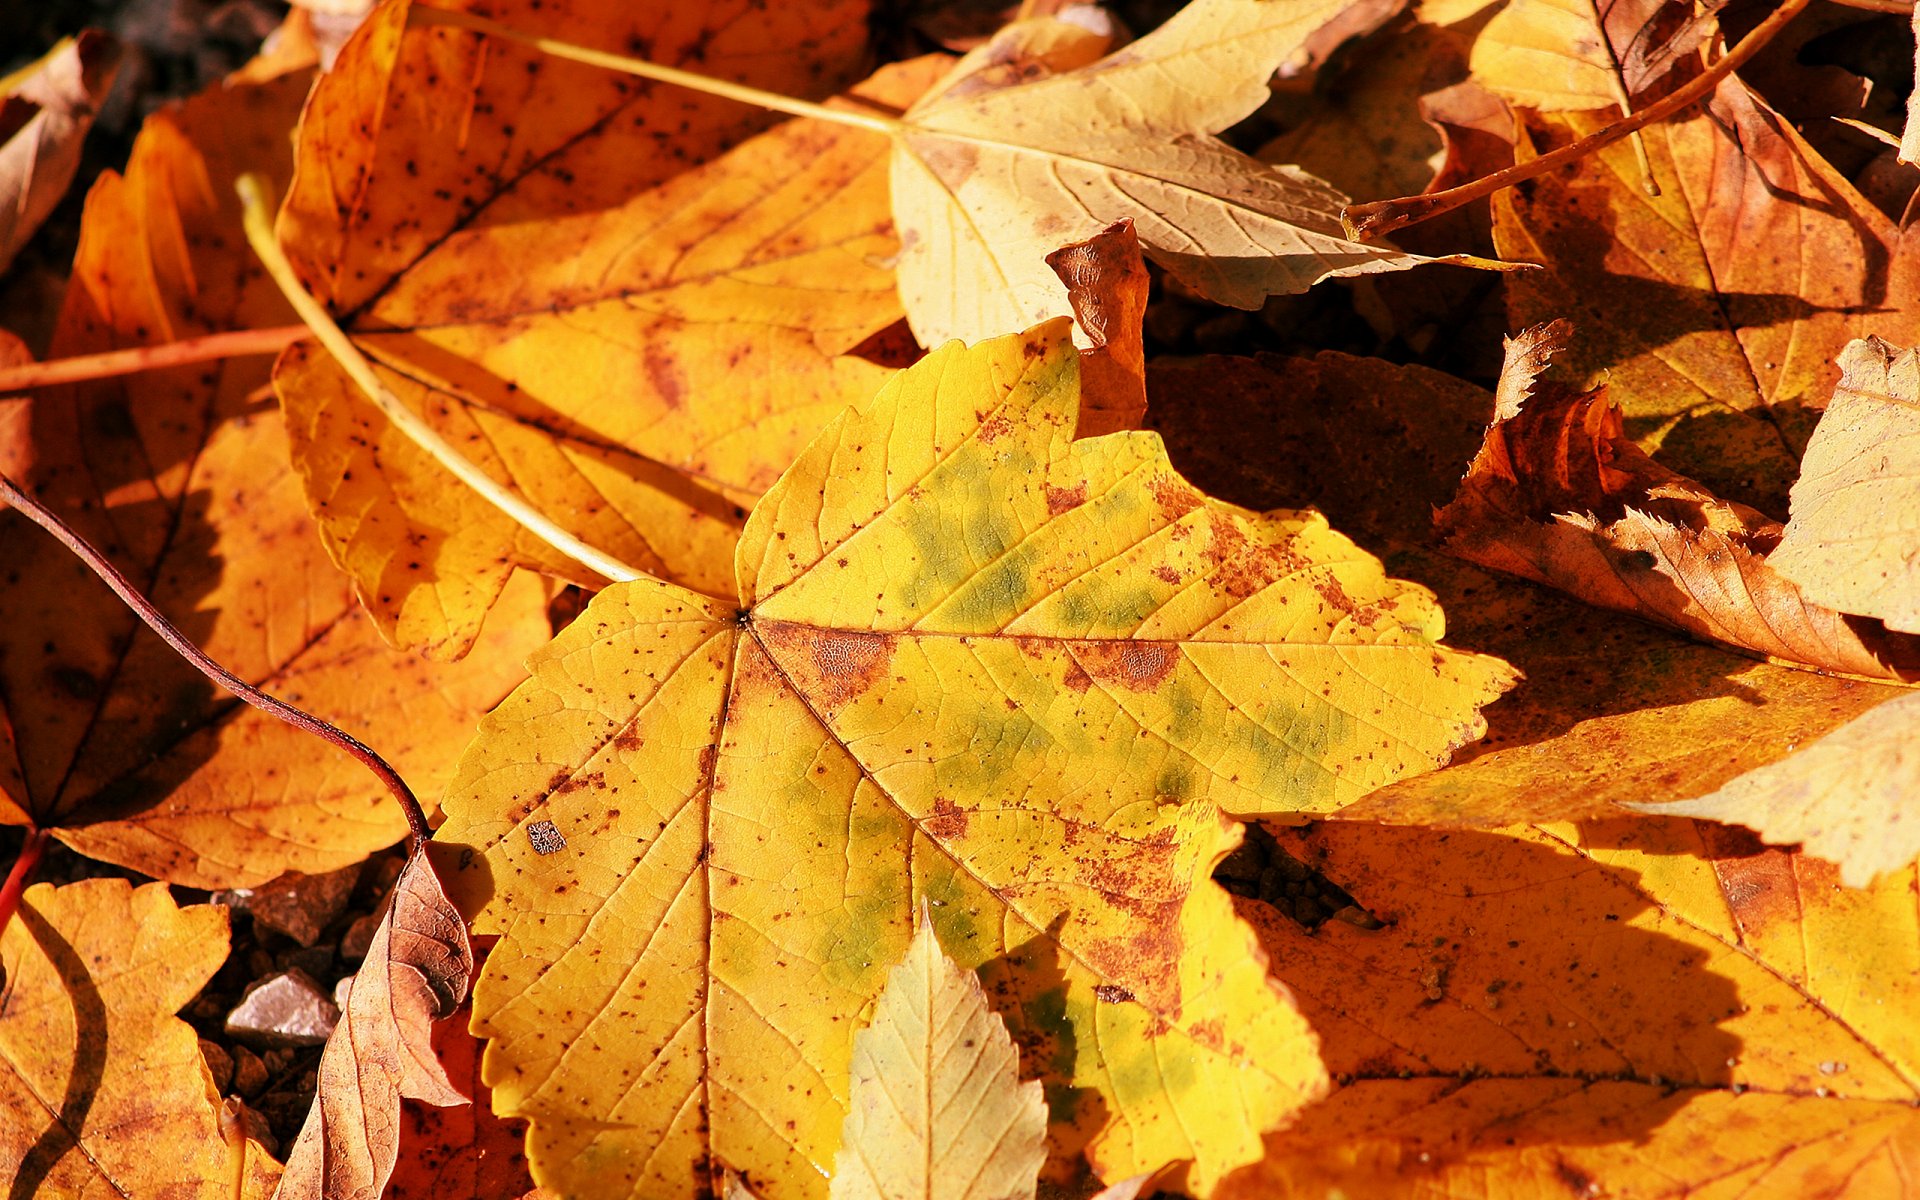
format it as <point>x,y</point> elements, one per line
<point>1853,538</point>
<point>1560,495</point>
<point>416,973</point>
<point>45,112</point>
<point>1107,283</point>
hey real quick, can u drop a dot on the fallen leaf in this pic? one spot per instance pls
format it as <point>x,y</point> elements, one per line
<point>1910,134</point>
<point>179,477</point>
<point>634,333</point>
<point>415,974</point>
<point>464,1151</point>
<point>1106,281</point>
<point>971,661</point>
<point>1612,710</point>
<point>1638,1009</point>
<point>102,1089</point>
<point>986,183</point>
<point>1852,539</point>
<point>1719,356</point>
<point>46,110</point>
<point>1847,796</point>
<point>935,1106</point>
<point>1559,494</point>
<point>1573,55</point>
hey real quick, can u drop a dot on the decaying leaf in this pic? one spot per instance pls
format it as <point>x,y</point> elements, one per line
<point>102,1089</point>
<point>1852,540</point>
<point>549,261</point>
<point>935,1106</point>
<point>179,477</point>
<point>415,973</point>
<point>1851,796</point>
<point>45,112</point>
<point>1106,281</point>
<point>1719,356</point>
<point>986,182</point>
<point>971,662</point>
<point>1559,494</point>
<point>1613,710</point>
<point>1638,1008</point>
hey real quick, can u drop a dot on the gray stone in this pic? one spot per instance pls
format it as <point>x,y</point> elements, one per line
<point>288,1009</point>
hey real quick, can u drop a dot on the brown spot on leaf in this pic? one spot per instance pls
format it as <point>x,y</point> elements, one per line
<point>994,428</point>
<point>948,822</point>
<point>1077,677</point>
<point>1136,666</point>
<point>664,372</point>
<point>1112,993</point>
<point>830,666</point>
<point>1061,500</point>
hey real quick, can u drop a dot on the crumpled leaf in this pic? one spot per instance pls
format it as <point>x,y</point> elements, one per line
<point>103,1091</point>
<point>1573,55</point>
<point>987,182</point>
<point>415,974</point>
<point>935,1105</point>
<point>1851,796</point>
<point>46,110</point>
<point>1107,285</point>
<point>1636,1009</point>
<point>550,262</point>
<point>106,736</point>
<point>702,827</point>
<point>1613,710</point>
<point>1719,356</point>
<point>1558,494</point>
<point>1852,540</point>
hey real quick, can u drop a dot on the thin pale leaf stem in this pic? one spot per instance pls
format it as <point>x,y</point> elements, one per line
<point>143,608</point>
<point>81,368</point>
<point>23,866</point>
<point>1365,222</point>
<point>259,227</point>
<point>421,16</point>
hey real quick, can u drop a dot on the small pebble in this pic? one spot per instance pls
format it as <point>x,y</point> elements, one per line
<point>288,1009</point>
<point>219,1064</point>
<point>302,906</point>
<point>249,1073</point>
<point>358,937</point>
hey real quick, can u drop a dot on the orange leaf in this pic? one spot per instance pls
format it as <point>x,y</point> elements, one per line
<point>1637,1009</point>
<point>103,1091</point>
<point>179,477</point>
<point>1558,494</point>
<point>1715,310</point>
<point>463,1151</point>
<point>416,973</point>
<point>559,268</point>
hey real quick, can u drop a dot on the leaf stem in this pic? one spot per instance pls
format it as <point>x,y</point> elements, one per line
<point>16,884</point>
<point>143,608</point>
<point>421,16</point>
<point>259,227</point>
<point>1366,222</point>
<point>81,368</point>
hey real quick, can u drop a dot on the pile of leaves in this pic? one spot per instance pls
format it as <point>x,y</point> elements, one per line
<point>965,628</point>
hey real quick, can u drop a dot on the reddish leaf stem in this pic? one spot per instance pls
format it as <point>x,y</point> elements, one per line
<point>233,344</point>
<point>16,884</point>
<point>1365,222</point>
<point>40,515</point>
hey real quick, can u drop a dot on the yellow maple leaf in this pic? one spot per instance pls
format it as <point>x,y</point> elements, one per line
<point>936,1107</point>
<point>103,1091</point>
<point>972,662</point>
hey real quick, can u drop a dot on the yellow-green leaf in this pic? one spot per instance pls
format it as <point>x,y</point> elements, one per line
<point>936,1106</point>
<point>973,663</point>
